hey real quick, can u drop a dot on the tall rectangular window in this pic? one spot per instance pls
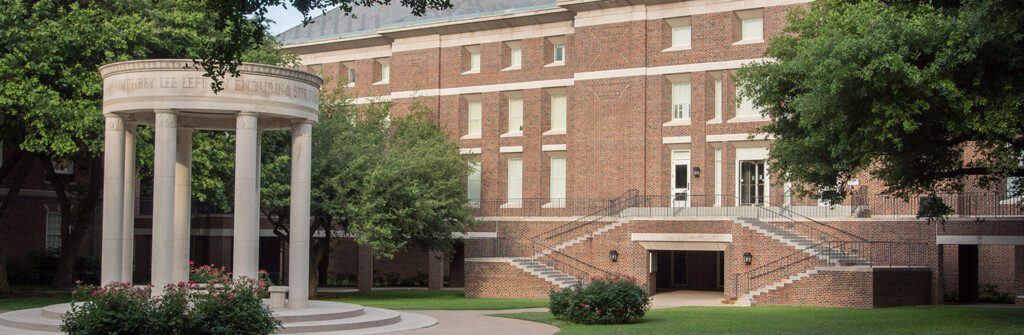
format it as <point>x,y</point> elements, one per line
<point>474,62</point>
<point>753,29</point>
<point>52,231</point>
<point>515,180</point>
<point>746,107</point>
<point>351,75</point>
<point>473,182</point>
<point>558,111</point>
<point>515,115</point>
<point>681,36</point>
<point>681,100</point>
<point>559,53</point>
<point>385,73</point>
<point>718,177</point>
<point>475,114</point>
<point>557,182</point>
<point>718,98</point>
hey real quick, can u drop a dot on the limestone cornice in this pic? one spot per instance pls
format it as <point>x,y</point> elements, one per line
<point>181,64</point>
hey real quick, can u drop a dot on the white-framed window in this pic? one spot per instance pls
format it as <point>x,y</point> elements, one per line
<point>474,59</point>
<point>53,231</point>
<point>559,53</point>
<point>475,117</point>
<point>515,60</point>
<point>681,37</point>
<point>557,180</point>
<point>718,98</point>
<point>515,115</point>
<point>751,26</point>
<point>746,108</point>
<point>718,177</point>
<point>514,192</point>
<point>681,100</point>
<point>558,111</point>
<point>473,181</point>
<point>557,50</point>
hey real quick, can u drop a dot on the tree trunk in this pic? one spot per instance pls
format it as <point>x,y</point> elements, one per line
<point>317,252</point>
<point>76,221</point>
<point>5,207</point>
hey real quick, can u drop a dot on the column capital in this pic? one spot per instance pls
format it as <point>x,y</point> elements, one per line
<point>165,111</point>
<point>296,122</point>
<point>248,113</point>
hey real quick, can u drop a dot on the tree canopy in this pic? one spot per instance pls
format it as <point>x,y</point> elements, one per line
<point>927,96</point>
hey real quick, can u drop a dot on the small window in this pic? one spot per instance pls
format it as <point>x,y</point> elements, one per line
<point>474,59</point>
<point>681,37</point>
<point>515,115</point>
<point>473,182</point>
<point>351,73</point>
<point>751,26</point>
<point>559,53</point>
<point>515,60</point>
<point>746,107</point>
<point>53,231</point>
<point>558,111</point>
<point>385,71</point>
<point>475,117</point>
<point>515,180</point>
<point>556,51</point>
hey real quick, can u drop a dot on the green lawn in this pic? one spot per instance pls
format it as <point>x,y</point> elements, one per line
<point>424,299</point>
<point>10,304</point>
<point>806,320</point>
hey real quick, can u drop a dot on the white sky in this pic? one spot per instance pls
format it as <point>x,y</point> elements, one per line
<point>285,19</point>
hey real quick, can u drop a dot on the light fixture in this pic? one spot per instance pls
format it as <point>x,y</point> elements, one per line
<point>696,172</point>
<point>747,258</point>
<point>613,255</point>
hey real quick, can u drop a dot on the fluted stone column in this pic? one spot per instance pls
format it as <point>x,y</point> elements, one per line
<point>245,258</point>
<point>164,152</point>
<point>298,235</point>
<point>128,230</point>
<point>182,205</point>
<point>113,199</point>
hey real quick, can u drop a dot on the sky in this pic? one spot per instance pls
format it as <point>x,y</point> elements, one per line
<point>285,19</point>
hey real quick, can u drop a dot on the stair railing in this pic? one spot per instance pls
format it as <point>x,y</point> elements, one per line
<point>563,264</point>
<point>615,206</point>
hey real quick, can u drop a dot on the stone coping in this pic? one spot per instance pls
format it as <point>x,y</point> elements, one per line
<point>184,64</point>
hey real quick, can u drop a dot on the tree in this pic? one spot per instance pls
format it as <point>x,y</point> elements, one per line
<point>925,96</point>
<point>392,183</point>
<point>50,92</point>
<point>245,23</point>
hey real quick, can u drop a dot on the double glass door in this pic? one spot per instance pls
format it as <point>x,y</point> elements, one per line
<point>752,182</point>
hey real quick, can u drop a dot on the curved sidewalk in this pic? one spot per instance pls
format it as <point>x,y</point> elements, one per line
<point>479,322</point>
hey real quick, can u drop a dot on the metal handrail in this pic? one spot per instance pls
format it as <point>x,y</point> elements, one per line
<point>628,197</point>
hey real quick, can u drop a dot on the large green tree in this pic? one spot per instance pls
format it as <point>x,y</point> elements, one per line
<point>927,96</point>
<point>391,183</point>
<point>50,90</point>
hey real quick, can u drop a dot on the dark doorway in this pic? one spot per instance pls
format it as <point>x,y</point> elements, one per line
<point>967,258</point>
<point>689,270</point>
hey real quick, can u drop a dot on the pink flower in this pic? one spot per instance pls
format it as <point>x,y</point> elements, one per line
<point>191,262</point>
<point>584,306</point>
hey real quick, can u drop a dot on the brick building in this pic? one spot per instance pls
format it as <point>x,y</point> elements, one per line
<point>606,137</point>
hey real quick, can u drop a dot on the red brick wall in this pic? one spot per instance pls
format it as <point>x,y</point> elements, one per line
<point>855,288</point>
<point>503,280</point>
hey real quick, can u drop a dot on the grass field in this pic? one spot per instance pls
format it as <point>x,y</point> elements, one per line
<point>424,299</point>
<point>807,320</point>
<point>10,304</point>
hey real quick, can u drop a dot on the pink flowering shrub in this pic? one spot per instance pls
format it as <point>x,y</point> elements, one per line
<point>611,300</point>
<point>232,307</point>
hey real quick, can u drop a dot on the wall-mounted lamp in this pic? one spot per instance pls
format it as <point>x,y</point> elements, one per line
<point>747,258</point>
<point>613,255</point>
<point>696,172</point>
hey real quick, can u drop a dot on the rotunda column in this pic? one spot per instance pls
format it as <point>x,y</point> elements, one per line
<point>182,205</point>
<point>245,258</point>
<point>128,230</point>
<point>298,234</point>
<point>164,152</point>
<point>113,198</point>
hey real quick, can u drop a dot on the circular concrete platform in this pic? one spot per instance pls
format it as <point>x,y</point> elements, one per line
<point>321,318</point>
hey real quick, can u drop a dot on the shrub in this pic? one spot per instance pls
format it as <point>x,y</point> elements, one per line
<point>989,293</point>
<point>232,307</point>
<point>611,300</point>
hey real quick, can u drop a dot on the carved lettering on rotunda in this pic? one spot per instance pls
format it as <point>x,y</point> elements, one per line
<point>240,85</point>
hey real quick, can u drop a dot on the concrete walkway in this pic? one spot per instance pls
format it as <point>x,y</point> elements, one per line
<point>480,322</point>
<point>687,298</point>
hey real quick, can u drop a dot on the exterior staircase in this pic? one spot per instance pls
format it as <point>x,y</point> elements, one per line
<point>543,271</point>
<point>748,298</point>
<point>809,246</point>
<point>603,229</point>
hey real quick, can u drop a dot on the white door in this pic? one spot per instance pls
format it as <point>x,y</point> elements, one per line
<point>680,179</point>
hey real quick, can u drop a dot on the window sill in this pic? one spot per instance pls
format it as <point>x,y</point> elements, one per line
<point>677,122</point>
<point>513,134</point>
<point>716,120</point>
<point>678,48</point>
<point>750,41</point>
<point>382,82</point>
<point>560,131</point>
<point>475,136</point>
<point>471,72</point>
<point>553,64</point>
<point>512,205</point>
<point>512,68</point>
<point>350,85</point>
<point>553,205</point>
<point>739,119</point>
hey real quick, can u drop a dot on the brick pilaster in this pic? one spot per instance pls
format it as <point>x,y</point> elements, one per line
<point>364,279</point>
<point>435,269</point>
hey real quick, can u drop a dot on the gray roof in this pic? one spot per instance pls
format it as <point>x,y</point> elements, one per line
<point>335,24</point>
